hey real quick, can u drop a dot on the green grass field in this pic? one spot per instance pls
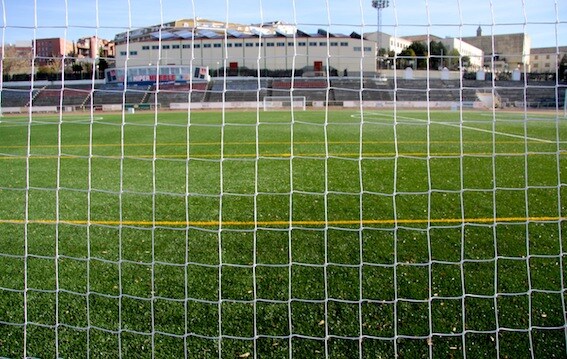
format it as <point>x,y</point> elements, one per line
<point>322,234</point>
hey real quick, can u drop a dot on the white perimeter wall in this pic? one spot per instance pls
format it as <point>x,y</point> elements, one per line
<point>255,106</point>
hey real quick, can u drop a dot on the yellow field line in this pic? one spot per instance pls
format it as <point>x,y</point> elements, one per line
<point>252,155</point>
<point>212,143</point>
<point>288,223</point>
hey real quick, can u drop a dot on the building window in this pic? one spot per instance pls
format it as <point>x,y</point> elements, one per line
<point>357,48</point>
<point>145,47</point>
<point>547,65</point>
<point>249,44</point>
<point>536,57</point>
<point>343,44</point>
<point>229,44</point>
<point>186,46</point>
<point>239,44</point>
<point>259,44</point>
<point>334,44</point>
<point>155,47</point>
<point>123,53</point>
<point>216,45</point>
<point>312,44</point>
<point>165,47</point>
<point>301,44</point>
<point>322,44</point>
<point>367,49</point>
<point>207,45</point>
<point>547,57</point>
<point>281,44</point>
<point>133,53</point>
<point>174,46</point>
<point>270,44</point>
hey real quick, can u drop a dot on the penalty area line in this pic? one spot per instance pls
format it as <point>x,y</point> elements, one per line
<point>500,133</point>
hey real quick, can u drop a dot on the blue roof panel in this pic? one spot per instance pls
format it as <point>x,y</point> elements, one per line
<point>234,33</point>
<point>208,33</point>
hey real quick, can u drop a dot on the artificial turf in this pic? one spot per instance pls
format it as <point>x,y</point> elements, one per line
<point>276,234</point>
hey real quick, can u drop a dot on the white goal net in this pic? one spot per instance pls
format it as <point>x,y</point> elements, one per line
<point>406,197</point>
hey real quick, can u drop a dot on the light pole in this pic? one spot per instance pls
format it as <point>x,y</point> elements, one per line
<point>379,5</point>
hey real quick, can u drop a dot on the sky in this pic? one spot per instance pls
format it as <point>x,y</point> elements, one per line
<point>544,20</point>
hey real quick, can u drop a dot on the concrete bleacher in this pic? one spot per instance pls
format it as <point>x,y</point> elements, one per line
<point>16,96</point>
<point>114,94</point>
<point>536,95</point>
<point>315,89</point>
<point>432,90</point>
<point>75,95</point>
<point>237,90</point>
<point>516,93</point>
<point>339,89</point>
<point>169,93</point>
<point>377,90</point>
<point>286,84</point>
<point>356,89</point>
<point>335,91</point>
<point>314,94</point>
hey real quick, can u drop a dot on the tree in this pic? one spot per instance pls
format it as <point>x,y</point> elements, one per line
<point>44,72</point>
<point>453,61</point>
<point>405,58</point>
<point>563,69</point>
<point>57,64</point>
<point>382,53</point>
<point>88,67</point>
<point>421,51</point>
<point>102,66</point>
<point>15,62</point>
<point>438,52</point>
<point>77,67</point>
<point>466,61</point>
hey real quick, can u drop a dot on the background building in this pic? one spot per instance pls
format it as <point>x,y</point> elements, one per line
<point>474,54</point>
<point>16,58</point>
<point>547,59</point>
<point>274,46</point>
<point>398,44</point>
<point>388,42</point>
<point>510,51</point>
<point>48,51</point>
<point>92,47</point>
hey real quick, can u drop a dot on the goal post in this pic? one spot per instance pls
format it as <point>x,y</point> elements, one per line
<point>284,103</point>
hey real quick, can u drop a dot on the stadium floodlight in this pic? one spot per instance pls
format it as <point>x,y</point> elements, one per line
<point>379,5</point>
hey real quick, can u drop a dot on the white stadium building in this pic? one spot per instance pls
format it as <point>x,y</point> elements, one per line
<point>271,46</point>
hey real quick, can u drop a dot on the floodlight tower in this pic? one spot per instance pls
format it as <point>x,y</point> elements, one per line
<point>379,5</point>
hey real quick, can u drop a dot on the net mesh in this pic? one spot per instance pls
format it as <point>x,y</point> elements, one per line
<point>416,209</point>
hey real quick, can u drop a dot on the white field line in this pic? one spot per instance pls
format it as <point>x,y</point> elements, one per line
<point>482,130</point>
<point>470,128</point>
